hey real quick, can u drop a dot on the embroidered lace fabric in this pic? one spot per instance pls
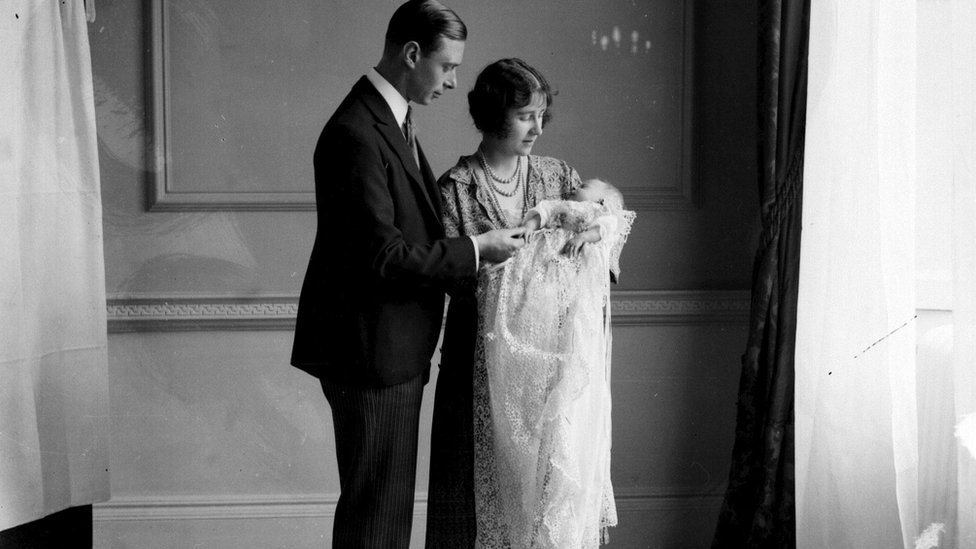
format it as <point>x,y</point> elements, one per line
<point>468,211</point>
<point>542,394</point>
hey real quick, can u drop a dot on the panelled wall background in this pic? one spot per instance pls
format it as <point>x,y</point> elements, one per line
<point>208,113</point>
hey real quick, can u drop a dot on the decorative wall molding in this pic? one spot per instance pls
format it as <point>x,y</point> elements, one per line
<point>162,197</point>
<point>168,508</point>
<point>173,312</point>
<point>679,307</point>
<point>182,313</point>
<point>683,194</point>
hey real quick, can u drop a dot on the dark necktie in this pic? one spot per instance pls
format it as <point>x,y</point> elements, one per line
<point>410,132</point>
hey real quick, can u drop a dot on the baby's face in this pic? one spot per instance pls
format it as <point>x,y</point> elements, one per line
<point>592,190</point>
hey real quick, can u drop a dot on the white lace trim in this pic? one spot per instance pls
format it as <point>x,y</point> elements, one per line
<point>542,396</point>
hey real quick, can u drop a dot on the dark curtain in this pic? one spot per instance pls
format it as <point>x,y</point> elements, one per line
<point>759,506</point>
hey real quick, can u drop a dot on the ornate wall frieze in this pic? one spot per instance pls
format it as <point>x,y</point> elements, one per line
<point>277,312</point>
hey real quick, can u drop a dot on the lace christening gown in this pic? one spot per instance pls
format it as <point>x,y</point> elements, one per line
<point>542,391</point>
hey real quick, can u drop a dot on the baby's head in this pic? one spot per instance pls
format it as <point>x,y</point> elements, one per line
<point>597,190</point>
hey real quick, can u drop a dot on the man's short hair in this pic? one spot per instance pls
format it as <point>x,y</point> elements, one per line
<point>503,85</point>
<point>424,22</point>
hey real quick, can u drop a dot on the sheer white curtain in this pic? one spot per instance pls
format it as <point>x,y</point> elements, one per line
<point>53,366</point>
<point>958,455</point>
<point>878,462</point>
<point>855,457</point>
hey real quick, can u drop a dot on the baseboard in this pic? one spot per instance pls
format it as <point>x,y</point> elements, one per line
<point>148,508</point>
<point>171,508</point>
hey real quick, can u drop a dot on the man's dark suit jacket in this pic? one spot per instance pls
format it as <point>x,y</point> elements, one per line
<point>373,297</point>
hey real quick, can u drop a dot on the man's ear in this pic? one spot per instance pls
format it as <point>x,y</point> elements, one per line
<point>411,53</point>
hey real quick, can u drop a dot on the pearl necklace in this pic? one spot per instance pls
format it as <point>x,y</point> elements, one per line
<point>496,205</point>
<point>492,178</point>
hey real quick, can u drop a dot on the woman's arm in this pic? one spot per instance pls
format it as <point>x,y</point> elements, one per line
<point>450,201</point>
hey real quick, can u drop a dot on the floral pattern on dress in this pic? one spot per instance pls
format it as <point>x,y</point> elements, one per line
<point>469,211</point>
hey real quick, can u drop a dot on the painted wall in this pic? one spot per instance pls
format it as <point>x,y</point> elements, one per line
<point>208,113</point>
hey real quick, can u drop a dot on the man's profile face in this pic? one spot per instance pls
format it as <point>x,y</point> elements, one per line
<point>435,73</point>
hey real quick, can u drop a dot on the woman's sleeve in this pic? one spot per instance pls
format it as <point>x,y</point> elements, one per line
<point>452,219</point>
<point>573,181</point>
<point>451,216</point>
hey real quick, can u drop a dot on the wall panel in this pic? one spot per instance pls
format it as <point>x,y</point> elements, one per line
<point>216,441</point>
<point>239,92</point>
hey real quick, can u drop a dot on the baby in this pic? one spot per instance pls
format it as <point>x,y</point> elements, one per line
<point>591,212</point>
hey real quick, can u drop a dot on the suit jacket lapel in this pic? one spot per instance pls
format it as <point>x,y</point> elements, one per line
<point>394,137</point>
<point>387,127</point>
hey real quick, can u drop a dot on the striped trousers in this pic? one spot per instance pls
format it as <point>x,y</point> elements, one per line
<point>376,430</point>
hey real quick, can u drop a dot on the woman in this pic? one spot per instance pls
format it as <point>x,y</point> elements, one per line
<point>492,188</point>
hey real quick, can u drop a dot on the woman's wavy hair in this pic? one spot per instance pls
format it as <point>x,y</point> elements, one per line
<point>503,85</point>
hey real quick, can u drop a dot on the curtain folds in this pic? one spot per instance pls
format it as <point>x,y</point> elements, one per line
<point>856,394</point>
<point>758,510</point>
<point>53,361</point>
<point>947,353</point>
<point>962,15</point>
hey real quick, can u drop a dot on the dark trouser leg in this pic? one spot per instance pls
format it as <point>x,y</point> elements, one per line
<point>450,504</point>
<point>376,430</point>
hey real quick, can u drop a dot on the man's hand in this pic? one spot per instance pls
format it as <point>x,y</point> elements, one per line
<point>498,245</point>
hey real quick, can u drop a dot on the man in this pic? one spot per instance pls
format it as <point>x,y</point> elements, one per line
<point>372,301</point>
